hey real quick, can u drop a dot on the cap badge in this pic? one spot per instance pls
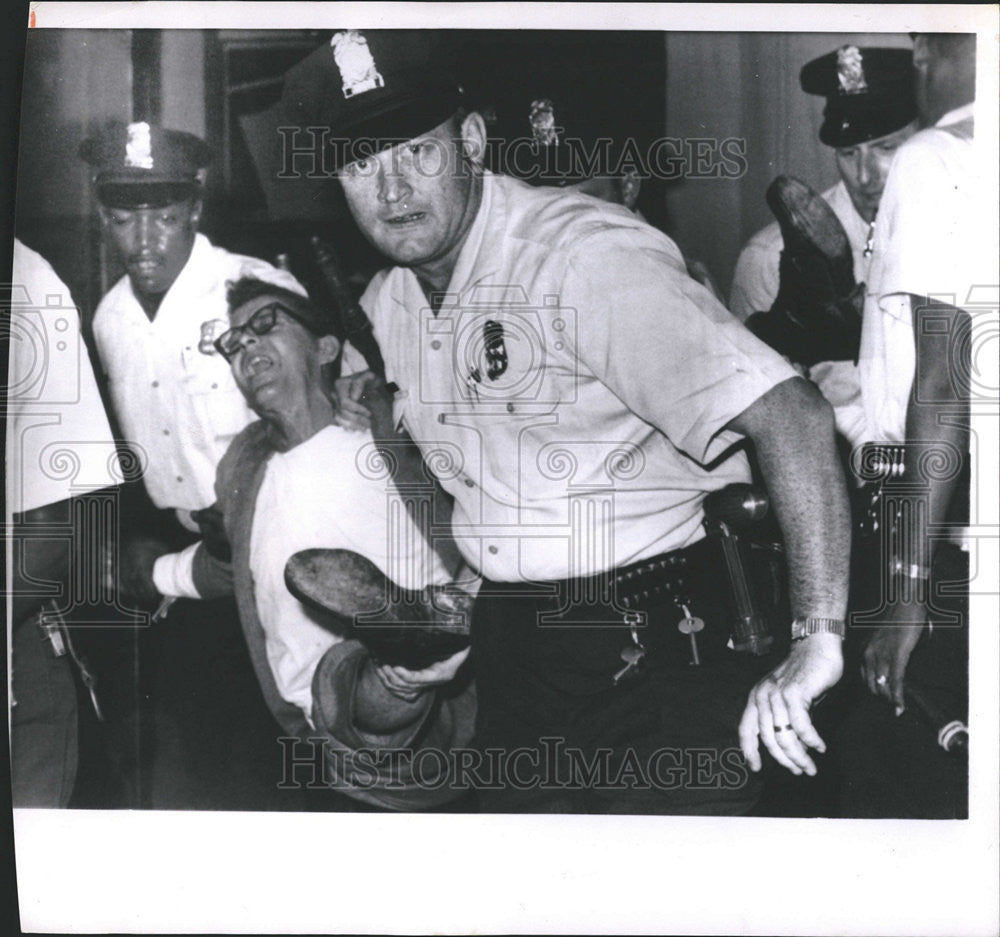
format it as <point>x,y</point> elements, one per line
<point>850,72</point>
<point>138,146</point>
<point>355,63</point>
<point>543,123</point>
<point>211,329</point>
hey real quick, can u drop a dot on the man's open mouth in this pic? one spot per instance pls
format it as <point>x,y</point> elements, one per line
<point>409,218</point>
<point>257,364</point>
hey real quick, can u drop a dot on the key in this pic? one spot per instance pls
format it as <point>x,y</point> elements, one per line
<point>632,655</point>
<point>88,682</point>
<point>163,608</point>
<point>691,625</point>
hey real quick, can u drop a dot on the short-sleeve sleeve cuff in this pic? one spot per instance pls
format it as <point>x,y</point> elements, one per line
<point>172,574</point>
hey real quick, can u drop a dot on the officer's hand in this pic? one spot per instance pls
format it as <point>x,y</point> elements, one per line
<point>777,711</point>
<point>137,554</point>
<point>408,685</point>
<point>213,532</point>
<point>351,393</point>
<point>888,652</point>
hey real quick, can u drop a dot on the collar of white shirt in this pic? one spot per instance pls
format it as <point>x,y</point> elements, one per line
<point>481,252</point>
<point>959,114</point>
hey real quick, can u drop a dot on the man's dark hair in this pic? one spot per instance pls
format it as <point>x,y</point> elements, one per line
<point>242,291</point>
<point>246,289</point>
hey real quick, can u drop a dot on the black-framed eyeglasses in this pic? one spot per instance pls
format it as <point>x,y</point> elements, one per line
<point>260,323</point>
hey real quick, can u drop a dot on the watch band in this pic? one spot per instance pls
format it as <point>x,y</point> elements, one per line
<point>909,570</point>
<point>803,627</point>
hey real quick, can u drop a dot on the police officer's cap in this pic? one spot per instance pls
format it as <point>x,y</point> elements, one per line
<point>549,133</point>
<point>141,164</point>
<point>869,93</point>
<point>372,89</point>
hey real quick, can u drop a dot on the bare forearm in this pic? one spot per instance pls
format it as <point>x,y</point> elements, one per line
<point>937,417</point>
<point>793,433</point>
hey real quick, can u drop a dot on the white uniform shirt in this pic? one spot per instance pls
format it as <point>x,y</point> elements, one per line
<point>755,286</point>
<point>320,495</point>
<point>580,442</point>
<point>59,442</point>
<point>180,408</point>
<point>929,242</point>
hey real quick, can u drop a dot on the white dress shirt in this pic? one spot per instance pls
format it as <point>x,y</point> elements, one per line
<point>590,438</point>
<point>931,241</point>
<point>59,442</point>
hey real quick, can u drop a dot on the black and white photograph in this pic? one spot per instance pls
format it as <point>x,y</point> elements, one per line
<point>504,468</point>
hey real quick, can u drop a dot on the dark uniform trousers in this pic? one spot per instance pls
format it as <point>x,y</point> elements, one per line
<point>556,734</point>
<point>892,766</point>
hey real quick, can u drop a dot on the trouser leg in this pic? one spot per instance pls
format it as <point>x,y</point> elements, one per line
<point>43,722</point>
<point>564,738</point>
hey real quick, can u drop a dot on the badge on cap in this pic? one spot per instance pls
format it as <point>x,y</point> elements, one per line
<point>211,329</point>
<point>355,63</point>
<point>138,146</point>
<point>850,72</point>
<point>543,123</point>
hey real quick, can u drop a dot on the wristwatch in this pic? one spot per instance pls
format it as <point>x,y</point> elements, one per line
<point>803,627</point>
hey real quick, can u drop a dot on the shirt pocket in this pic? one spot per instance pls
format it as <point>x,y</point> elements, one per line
<point>209,383</point>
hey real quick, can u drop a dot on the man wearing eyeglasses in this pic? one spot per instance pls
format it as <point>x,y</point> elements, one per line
<point>178,408</point>
<point>292,481</point>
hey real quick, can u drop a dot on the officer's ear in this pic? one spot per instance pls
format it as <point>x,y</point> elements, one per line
<point>921,52</point>
<point>630,186</point>
<point>195,212</point>
<point>473,136</point>
<point>329,348</point>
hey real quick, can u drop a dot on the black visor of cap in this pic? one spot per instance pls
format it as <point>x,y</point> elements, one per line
<point>386,117</point>
<point>846,123</point>
<point>145,194</point>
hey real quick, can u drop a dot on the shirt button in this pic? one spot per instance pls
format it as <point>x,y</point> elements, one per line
<point>492,550</point>
<point>166,432</point>
<point>156,383</point>
<point>215,387</point>
<point>180,478</point>
<point>510,408</point>
<point>435,344</point>
<point>470,483</point>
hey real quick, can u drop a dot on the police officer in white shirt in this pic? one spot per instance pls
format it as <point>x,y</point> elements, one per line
<point>590,393</point>
<point>173,395</point>
<point>55,420</point>
<point>178,408</point>
<point>934,260</point>
<point>870,112</point>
